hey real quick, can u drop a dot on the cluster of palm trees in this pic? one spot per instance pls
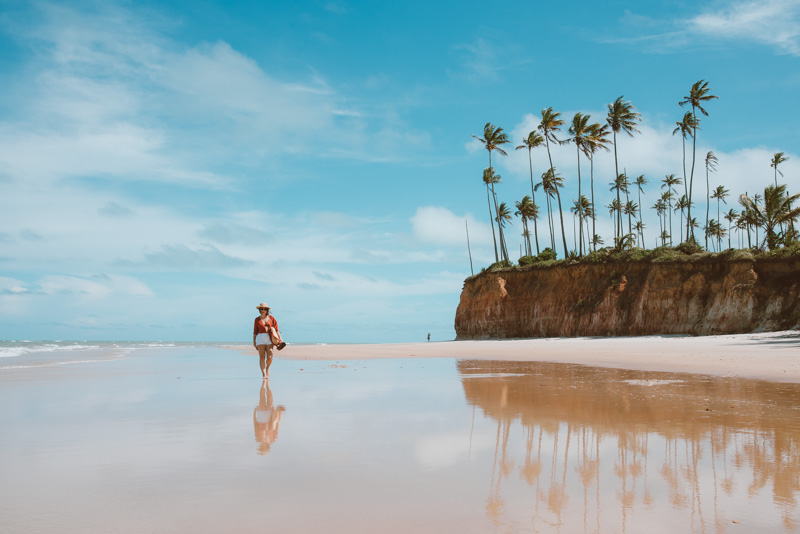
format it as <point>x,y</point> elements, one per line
<point>773,212</point>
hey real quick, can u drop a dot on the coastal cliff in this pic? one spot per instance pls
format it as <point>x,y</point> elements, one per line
<point>710,296</point>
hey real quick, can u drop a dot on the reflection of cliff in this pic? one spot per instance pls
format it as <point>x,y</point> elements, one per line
<point>634,298</point>
<point>585,435</point>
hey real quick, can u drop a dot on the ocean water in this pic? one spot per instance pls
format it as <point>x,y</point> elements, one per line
<point>26,354</point>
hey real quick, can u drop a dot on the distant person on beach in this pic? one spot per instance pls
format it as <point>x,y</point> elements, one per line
<point>266,418</point>
<point>429,336</point>
<point>265,337</point>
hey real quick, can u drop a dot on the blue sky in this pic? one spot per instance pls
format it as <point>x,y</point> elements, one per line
<point>165,166</point>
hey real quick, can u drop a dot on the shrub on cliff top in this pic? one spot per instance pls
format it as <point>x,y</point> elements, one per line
<point>690,246</point>
<point>547,255</point>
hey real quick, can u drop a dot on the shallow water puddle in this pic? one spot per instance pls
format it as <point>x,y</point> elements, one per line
<point>188,441</point>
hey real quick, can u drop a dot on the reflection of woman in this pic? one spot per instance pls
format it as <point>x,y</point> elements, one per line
<point>266,420</point>
<point>265,336</point>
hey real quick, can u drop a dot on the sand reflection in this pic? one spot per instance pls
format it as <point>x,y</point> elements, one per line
<point>583,449</point>
<point>266,419</point>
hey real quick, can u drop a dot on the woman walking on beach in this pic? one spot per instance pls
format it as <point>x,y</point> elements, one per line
<point>265,337</point>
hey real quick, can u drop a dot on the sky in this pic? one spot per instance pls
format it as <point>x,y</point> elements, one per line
<point>166,166</point>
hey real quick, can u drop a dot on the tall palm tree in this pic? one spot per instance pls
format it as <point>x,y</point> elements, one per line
<point>711,165</point>
<point>776,209</point>
<point>526,210</point>
<point>596,140</point>
<point>492,138</point>
<point>551,123</point>
<point>640,182</point>
<point>666,198</point>
<point>777,159</point>
<point>579,130</point>
<point>532,141</point>
<point>490,178</point>
<point>686,127</point>
<point>699,94</point>
<point>622,117</point>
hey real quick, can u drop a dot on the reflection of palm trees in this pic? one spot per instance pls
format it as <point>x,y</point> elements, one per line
<point>266,419</point>
<point>576,427</point>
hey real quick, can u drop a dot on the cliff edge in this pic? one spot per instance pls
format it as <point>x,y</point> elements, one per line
<point>632,298</point>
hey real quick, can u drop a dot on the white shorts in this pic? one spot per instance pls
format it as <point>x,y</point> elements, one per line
<point>263,339</point>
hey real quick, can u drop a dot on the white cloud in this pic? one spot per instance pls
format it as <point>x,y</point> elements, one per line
<point>441,226</point>
<point>771,22</point>
<point>95,287</point>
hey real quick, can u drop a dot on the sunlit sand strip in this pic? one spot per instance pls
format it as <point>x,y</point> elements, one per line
<point>769,356</point>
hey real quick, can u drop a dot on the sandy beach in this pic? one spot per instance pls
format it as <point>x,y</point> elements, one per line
<point>767,356</point>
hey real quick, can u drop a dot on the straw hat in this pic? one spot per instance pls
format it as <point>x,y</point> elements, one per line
<point>262,305</point>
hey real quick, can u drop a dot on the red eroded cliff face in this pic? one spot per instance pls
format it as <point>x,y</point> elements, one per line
<point>634,298</point>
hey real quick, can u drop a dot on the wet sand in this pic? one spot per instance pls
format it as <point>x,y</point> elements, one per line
<point>190,439</point>
<point>767,356</point>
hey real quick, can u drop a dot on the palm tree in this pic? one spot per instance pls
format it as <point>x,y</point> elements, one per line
<point>640,182</point>
<point>526,210</point>
<point>549,126</point>
<point>597,139</point>
<point>699,94</point>
<point>686,128</point>
<point>493,137</point>
<point>622,117</point>
<point>681,204</point>
<point>711,165</point>
<point>660,208</point>
<point>775,210</point>
<point>532,141</point>
<point>582,208</point>
<point>639,227</point>
<point>777,159</point>
<point>746,216</point>
<point>503,216</point>
<point>619,185</point>
<point>670,181</point>
<point>490,178</point>
<point>579,130</point>
<point>613,208</point>
<point>547,186</point>
<point>720,193</point>
<point>630,209</point>
<point>731,216</point>
<point>715,230</point>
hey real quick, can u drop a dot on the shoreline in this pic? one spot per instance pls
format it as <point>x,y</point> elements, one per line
<point>773,356</point>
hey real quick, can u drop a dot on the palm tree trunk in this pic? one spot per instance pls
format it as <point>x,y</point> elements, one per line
<point>491,221</point>
<point>618,232</point>
<point>533,198</point>
<point>594,211</point>
<point>689,227</point>
<point>708,202</point>
<point>580,212</point>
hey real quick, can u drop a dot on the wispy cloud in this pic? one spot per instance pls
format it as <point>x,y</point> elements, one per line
<point>771,22</point>
<point>774,23</point>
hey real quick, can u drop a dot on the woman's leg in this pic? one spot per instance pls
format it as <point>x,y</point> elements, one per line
<point>268,349</point>
<point>262,353</point>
